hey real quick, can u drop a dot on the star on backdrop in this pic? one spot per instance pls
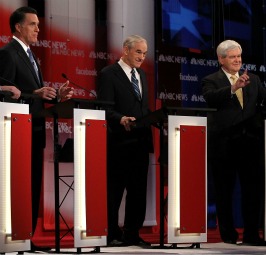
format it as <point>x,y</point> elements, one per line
<point>184,19</point>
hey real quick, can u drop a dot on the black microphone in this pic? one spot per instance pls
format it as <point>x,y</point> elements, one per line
<point>89,91</point>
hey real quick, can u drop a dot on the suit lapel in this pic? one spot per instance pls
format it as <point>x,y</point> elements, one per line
<point>225,80</point>
<point>23,55</point>
<point>245,91</point>
<point>123,77</point>
<point>143,83</point>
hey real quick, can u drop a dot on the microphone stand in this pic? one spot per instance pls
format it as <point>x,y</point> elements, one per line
<point>75,84</point>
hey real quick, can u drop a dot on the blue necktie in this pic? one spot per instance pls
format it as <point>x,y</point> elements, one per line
<point>135,83</point>
<point>33,62</point>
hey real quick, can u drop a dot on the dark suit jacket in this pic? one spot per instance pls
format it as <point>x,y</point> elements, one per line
<point>114,85</point>
<point>230,117</point>
<point>16,67</point>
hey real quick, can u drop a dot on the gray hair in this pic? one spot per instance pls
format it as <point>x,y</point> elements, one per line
<point>226,45</point>
<point>132,39</point>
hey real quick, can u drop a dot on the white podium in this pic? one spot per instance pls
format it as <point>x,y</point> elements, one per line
<point>90,194</point>
<point>15,177</point>
<point>187,179</point>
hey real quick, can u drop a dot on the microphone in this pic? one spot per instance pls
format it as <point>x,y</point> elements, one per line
<point>89,91</point>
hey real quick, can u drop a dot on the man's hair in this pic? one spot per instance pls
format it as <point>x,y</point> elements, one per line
<point>132,39</point>
<point>18,16</point>
<point>226,45</point>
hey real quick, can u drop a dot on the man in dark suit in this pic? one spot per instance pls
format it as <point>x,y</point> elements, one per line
<point>128,145</point>
<point>19,67</point>
<point>235,141</point>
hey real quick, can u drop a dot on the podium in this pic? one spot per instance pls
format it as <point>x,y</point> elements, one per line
<point>187,179</point>
<point>15,177</point>
<point>90,195</point>
<point>187,173</point>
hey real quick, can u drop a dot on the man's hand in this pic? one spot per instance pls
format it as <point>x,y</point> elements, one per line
<point>241,82</point>
<point>15,91</point>
<point>65,92</point>
<point>47,93</point>
<point>127,122</point>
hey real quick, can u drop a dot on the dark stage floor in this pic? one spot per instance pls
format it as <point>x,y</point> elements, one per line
<point>205,248</point>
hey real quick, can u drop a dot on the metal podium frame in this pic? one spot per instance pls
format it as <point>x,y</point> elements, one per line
<point>81,110</point>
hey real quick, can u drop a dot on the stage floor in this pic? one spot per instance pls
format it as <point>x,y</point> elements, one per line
<point>205,248</point>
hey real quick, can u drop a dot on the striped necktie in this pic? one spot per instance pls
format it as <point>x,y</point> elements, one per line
<point>239,92</point>
<point>33,62</point>
<point>135,83</point>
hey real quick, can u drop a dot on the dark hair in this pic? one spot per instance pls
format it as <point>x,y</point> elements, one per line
<point>18,16</point>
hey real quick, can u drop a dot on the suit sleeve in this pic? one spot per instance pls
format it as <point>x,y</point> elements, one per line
<point>106,92</point>
<point>7,68</point>
<point>214,93</point>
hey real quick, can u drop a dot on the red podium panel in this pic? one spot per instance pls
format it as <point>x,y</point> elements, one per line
<point>96,185</point>
<point>21,214</point>
<point>192,179</point>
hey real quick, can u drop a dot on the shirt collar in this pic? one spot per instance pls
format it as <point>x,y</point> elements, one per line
<point>229,75</point>
<point>127,69</point>
<point>24,46</point>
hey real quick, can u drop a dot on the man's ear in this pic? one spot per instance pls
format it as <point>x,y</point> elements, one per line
<point>18,27</point>
<point>126,50</point>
